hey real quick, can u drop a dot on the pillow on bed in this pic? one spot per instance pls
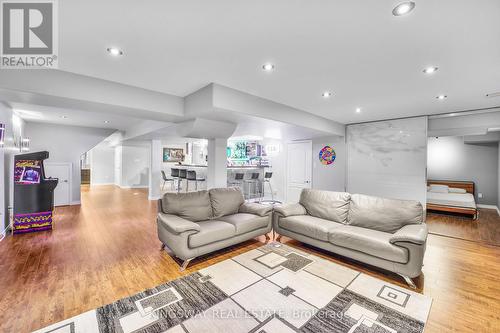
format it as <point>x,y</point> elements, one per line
<point>457,190</point>
<point>439,188</point>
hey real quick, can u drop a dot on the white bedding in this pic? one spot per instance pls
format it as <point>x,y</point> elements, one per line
<point>451,199</point>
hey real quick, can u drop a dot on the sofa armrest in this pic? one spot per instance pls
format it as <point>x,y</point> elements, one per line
<point>290,210</point>
<point>176,224</point>
<point>411,233</point>
<point>256,209</point>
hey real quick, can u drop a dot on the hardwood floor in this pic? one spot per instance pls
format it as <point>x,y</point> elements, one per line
<point>485,229</point>
<point>108,249</point>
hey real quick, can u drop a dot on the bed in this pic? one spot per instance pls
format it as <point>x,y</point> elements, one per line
<point>449,202</point>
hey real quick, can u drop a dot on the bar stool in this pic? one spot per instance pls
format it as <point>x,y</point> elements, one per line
<point>252,185</point>
<point>174,173</point>
<point>191,176</point>
<point>182,175</point>
<point>165,179</point>
<point>238,180</point>
<point>267,180</point>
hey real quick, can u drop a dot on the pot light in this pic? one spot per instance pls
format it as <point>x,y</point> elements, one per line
<point>114,51</point>
<point>106,121</point>
<point>64,117</point>
<point>358,110</point>
<point>430,70</point>
<point>268,67</point>
<point>403,8</point>
<point>441,97</point>
<point>326,94</point>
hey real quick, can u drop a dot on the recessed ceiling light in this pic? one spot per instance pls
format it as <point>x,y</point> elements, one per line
<point>64,117</point>
<point>403,8</point>
<point>268,67</point>
<point>358,110</point>
<point>106,121</point>
<point>114,51</point>
<point>430,70</point>
<point>326,94</point>
<point>441,97</point>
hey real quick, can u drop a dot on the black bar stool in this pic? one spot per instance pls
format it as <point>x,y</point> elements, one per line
<point>165,179</point>
<point>238,180</point>
<point>267,180</point>
<point>182,175</point>
<point>191,176</point>
<point>252,185</point>
<point>174,173</point>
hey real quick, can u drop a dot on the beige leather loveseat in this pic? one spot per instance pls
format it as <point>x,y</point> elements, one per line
<point>196,223</point>
<point>386,233</point>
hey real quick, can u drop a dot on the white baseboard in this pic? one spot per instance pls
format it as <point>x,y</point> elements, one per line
<point>489,207</point>
<point>76,202</point>
<point>133,186</point>
<point>154,198</point>
<point>101,184</point>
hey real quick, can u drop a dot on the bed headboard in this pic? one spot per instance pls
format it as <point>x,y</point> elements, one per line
<point>468,186</point>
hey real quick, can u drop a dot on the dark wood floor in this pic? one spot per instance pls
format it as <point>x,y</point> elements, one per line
<point>107,249</point>
<point>485,229</point>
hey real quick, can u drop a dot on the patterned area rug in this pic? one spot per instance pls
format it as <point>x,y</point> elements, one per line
<point>272,289</point>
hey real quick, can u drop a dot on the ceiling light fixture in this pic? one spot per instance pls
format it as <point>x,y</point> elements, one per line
<point>268,67</point>
<point>114,51</point>
<point>441,97</point>
<point>358,110</point>
<point>326,94</point>
<point>403,8</point>
<point>64,117</point>
<point>430,70</point>
<point>106,121</point>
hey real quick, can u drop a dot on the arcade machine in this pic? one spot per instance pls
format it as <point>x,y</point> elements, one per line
<point>33,194</point>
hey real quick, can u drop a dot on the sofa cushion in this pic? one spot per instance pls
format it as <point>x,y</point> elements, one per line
<point>372,242</point>
<point>192,206</point>
<point>210,232</point>
<point>309,226</point>
<point>327,205</point>
<point>226,201</point>
<point>388,215</point>
<point>244,222</point>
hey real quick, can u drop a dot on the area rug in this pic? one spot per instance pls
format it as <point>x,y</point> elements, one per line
<point>272,289</point>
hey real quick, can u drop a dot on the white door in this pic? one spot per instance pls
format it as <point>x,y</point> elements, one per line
<point>62,171</point>
<point>299,169</point>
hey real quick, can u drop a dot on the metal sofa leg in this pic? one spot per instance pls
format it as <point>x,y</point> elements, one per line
<point>162,247</point>
<point>408,281</point>
<point>185,264</point>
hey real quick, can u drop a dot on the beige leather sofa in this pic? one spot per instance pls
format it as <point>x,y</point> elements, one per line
<point>386,233</point>
<point>196,223</point>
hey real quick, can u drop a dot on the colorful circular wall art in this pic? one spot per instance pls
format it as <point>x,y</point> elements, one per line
<point>327,155</point>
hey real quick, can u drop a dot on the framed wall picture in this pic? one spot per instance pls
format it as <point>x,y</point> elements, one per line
<point>173,154</point>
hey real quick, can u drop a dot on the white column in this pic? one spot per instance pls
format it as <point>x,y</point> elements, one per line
<point>217,163</point>
<point>155,170</point>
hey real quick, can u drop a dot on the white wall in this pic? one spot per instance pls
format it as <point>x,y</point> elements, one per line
<point>14,126</point>
<point>450,159</point>
<point>102,165</point>
<point>388,159</point>
<point>329,177</point>
<point>135,165</point>
<point>65,144</point>
<point>118,165</point>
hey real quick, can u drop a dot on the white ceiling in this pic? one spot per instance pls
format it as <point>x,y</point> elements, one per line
<point>52,115</point>
<point>357,49</point>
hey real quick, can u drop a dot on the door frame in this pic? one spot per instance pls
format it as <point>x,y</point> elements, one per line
<point>287,159</point>
<point>70,180</point>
